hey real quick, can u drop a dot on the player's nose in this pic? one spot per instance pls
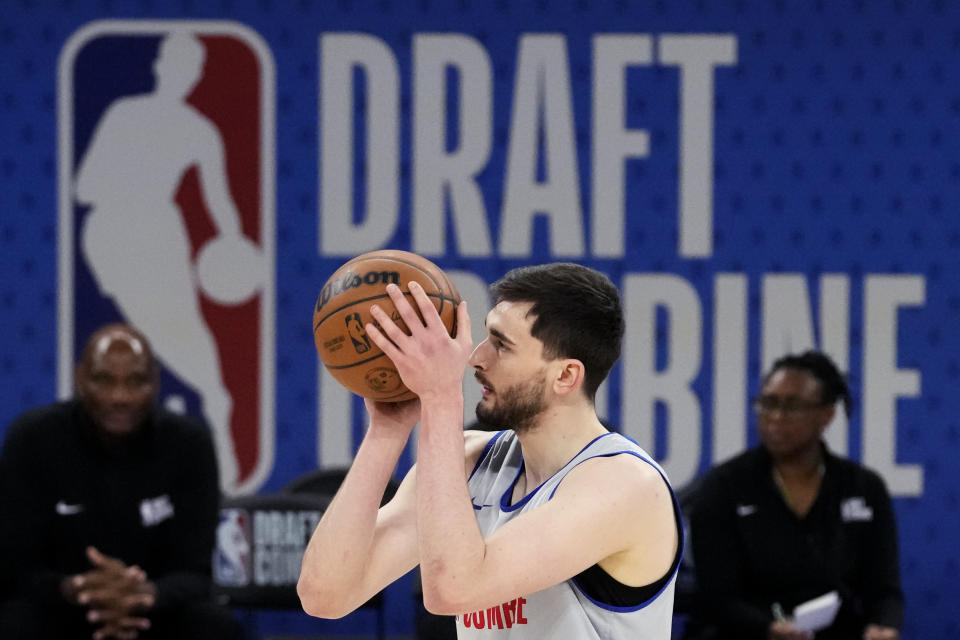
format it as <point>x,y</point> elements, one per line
<point>477,358</point>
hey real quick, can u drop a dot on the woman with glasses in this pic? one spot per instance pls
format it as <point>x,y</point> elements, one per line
<point>788,521</point>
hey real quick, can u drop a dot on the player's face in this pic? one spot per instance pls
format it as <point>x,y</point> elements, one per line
<point>509,364</point>
<point>790,414</point>
<point>117,385</point>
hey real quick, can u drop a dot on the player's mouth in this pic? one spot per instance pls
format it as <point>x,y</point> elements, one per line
<point>487,389</point>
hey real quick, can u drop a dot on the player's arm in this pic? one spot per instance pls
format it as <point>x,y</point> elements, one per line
<point>358,547</point>
<point>614,511</point>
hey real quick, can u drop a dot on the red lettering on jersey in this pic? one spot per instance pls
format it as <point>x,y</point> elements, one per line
<point>493,616</point>
<point>520,618</point>
<point>509,614</point>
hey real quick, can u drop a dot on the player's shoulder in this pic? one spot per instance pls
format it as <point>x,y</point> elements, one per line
<point>619,469</point>
<point>476,442</point>
<point>629,472</point>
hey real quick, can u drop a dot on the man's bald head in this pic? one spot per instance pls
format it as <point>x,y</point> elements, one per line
<point>117,379</point>
<point>116,336</point>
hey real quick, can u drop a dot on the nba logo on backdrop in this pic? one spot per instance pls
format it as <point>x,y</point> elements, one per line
<point>166,181</point>
<point>232,564</point>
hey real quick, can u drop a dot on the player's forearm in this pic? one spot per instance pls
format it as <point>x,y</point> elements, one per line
<point>451,545</point>
<point>335,561</point>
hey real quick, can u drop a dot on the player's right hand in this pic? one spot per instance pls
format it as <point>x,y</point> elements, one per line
<point>396,417</point>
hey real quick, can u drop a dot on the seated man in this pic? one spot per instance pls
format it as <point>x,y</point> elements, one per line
<point>789,521</point>
<point>109,509</point>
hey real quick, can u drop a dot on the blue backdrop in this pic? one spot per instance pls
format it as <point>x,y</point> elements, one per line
<point>757,177</point>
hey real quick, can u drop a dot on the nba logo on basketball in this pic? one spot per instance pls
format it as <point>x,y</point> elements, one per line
<point>166,180</point>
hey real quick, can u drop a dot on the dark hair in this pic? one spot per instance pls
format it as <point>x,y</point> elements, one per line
<point>833,384</point>
<point>578,314</point>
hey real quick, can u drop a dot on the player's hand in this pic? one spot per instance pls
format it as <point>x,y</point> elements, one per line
<point>784,630</point>
<point>879,632</point>
<point>397,418</point>
<point>429,360</point>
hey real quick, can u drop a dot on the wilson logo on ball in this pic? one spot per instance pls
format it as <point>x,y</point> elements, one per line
<point>351,280</point>
<point>342,314</point>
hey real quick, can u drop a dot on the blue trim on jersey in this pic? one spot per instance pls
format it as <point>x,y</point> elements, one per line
<point>508,494</point>
<point>483,454</point>
<point>675,565</point>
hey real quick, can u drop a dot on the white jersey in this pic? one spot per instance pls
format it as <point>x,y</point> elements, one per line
<point>564,610</point>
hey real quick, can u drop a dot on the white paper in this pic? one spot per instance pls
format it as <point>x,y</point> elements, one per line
<point>816,614</point>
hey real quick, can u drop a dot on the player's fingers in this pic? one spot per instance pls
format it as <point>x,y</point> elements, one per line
<point>464,330</point>
<point>386,326</point>
<point>381,340</point>
<point>403,307</point>
<point>427,311</point>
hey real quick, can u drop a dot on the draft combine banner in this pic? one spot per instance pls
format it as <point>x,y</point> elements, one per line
<point>756,177</point>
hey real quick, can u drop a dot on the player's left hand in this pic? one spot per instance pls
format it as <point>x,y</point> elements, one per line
<point>879,632</point>
<point>429,361</point>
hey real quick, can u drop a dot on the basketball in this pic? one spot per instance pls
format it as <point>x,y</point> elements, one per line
<point>343,310</point>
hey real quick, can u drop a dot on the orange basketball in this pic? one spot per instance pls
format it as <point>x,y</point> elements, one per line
<point>343,309</point>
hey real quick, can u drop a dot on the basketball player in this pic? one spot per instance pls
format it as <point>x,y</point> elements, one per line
<point>134,239</point>
<point>553,527</point>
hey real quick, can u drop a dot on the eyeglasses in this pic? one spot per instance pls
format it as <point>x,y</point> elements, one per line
<point>789,406</point>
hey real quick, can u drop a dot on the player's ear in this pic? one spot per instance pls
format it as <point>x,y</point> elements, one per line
<point>569,376</point>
